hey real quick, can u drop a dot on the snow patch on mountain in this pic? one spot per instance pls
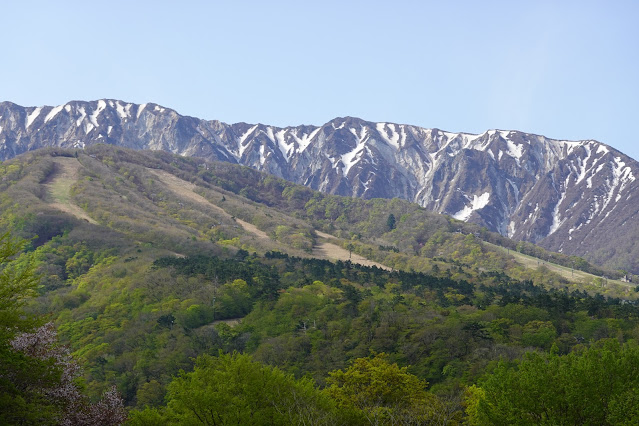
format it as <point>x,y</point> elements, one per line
<point>476,142</point>
<point>478,202</point>
<point>557,220</point>
<point>241,145</point>
<point>621,176</point>
<point>583,165</point>
<point>124,111</point>
<point>54,111</point>
<point>31,117</point>
<point>140,109</point>
<point>514,150</point>
<point>262,157</point>
<point>389,134</point>
<point>94,117</point>
<point>285,147</point>
<point>269,134</point>
<point>352,157</point>
<point>83,115</point>
<point>305,140</point>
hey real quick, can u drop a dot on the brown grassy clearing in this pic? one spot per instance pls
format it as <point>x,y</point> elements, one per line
<point>322,250</point>
<point>59,187</point>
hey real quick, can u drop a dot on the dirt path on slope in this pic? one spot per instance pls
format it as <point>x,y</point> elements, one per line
<point>332,251</point>
<point>184,188</point>
<point>568,273</point>
<point>59,187</point>
<point>187,190</point>
<point>323,250</point>
<point>253,229</point>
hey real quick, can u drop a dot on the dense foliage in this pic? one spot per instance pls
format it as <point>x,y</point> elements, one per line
<point>37,374</point>
<point>598,385</point>
<point>163,293</point>
<point>233,389</point>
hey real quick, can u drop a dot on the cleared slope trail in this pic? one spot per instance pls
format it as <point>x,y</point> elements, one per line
<point>322,250</point>
<point>326,250</point>
<point>570,274</point>
<point>59,185</point>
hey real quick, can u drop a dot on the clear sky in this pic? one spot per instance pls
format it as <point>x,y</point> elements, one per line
<point>564,69</point>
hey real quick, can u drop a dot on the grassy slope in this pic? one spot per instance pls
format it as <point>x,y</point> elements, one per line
<point>186,206</point>
<point>321,249</point>
<point>108,301</point>
<point>568,273</point>
<point>59,187</point>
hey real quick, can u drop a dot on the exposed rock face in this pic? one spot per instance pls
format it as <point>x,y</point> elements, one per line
<point>564,195</point>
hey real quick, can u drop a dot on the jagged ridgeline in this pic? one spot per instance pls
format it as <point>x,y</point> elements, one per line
<point>149,260</point>
<point>575,197</point>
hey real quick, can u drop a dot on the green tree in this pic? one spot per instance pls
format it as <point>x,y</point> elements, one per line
<point>150,394</point>
<point>593,386</point>
<point>17,284</point>
<point>538,333</point>
<point>391,222</point>
<point>234,389</point>
<point>384,392</point>
<point>19,401</point>
<point>37,374</point>
<point>234,300</point>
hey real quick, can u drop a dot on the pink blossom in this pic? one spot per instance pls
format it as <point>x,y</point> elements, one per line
<point>43,344</point>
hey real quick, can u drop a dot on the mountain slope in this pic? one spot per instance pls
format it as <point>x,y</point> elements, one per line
<point>573,197</point>
<point>108,196</point>
<point>149,259</point>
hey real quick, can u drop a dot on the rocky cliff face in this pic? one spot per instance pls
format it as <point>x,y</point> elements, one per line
<point>565,195</point>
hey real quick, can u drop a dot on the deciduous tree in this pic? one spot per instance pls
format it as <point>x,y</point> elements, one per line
<point>234,389</point>
<point>37,374</point>
<point>593,386</point>
<point>384,392</point>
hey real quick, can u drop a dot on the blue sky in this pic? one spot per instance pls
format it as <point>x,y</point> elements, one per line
<point>564,69</point>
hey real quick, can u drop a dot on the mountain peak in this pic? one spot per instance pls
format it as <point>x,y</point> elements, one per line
<point>564,195</point>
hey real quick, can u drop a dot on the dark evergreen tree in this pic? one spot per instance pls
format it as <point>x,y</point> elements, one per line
<point>391,222</point>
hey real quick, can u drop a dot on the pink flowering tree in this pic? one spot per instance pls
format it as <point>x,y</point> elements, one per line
<point>75,408</point>
<point>38,376</point>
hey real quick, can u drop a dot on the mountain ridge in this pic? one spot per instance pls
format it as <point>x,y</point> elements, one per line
<point>568,196</point>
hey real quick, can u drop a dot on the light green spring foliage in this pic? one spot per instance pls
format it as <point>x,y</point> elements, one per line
<point>136,326</point>
<point>19,374</point>
<point>384,392</point>
<point>595,386</point>
<point>17,283</point>
<point>233,389</point>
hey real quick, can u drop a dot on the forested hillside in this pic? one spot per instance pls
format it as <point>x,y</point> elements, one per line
<point>167,276</point>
